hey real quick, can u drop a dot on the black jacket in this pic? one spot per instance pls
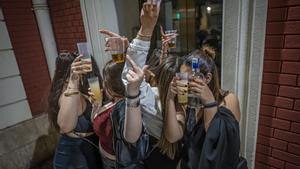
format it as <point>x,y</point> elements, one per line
<point>128,156</point>
<point>218,148</point>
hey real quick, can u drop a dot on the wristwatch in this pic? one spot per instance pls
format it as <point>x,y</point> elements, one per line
<point>134,103</point>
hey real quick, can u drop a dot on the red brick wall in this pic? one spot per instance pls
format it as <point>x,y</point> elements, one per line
<point>278,144</point>
<point>28,49</point>
<point>67,23</point>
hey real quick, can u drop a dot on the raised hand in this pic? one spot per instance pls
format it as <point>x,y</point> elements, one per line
<point>166,38</point>
<point>173,88</point>
<point>113,34</point>
<point>135,77</point>
<point>78,68</point>
<point>149,16</point>
<point>201,89</point>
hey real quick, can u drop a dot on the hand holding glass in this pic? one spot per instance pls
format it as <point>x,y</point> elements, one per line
<point>116,46</point>
<point>85,51</point>
<point>193,100</point>
<point>172,42</point>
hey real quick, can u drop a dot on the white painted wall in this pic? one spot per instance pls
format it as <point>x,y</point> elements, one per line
<point>14,106</point>
<point>99,14</point>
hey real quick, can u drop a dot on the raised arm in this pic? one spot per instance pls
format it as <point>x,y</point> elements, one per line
<point>133,116</point>
<point>138,49</point>
<point>71,103</point>
<point>175,116</point>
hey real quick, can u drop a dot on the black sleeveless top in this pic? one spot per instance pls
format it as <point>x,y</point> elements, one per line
<point>84,123</point>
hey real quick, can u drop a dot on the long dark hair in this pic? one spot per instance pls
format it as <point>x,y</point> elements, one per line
<point>164,75</point>
<point>61,75</point>
<point>112,79</point>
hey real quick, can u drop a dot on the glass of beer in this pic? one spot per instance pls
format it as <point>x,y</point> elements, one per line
<point>116,46</point>
<point>84,49</point>
<point>172,42</point>
<point>95,88</point>
<point>182,85</point>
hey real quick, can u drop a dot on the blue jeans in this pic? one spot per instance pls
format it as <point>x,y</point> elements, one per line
<point>75,153</point>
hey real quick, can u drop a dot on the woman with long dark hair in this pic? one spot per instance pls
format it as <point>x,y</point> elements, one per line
<point>210,131</point>
<point>70,113</point>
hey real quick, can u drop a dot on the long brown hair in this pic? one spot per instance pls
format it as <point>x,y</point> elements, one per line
<point>164,75</point>
<point>112,79</point>
<point>61,75</point>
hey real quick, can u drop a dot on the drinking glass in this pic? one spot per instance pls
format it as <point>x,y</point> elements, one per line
<point>116,48</point>
<point>172,42</point>
<point>182,84</point>
<point>95,88</point>
<point>85,50</point>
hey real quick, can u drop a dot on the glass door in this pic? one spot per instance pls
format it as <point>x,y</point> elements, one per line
<point>198,22</point>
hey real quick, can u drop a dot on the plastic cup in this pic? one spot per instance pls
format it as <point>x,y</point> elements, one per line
<point>183,81</point>
<point>116,49</point>
<point>84,49</point>
<point>193,100</point>
<point>172,42</point>
<point>95,88</point>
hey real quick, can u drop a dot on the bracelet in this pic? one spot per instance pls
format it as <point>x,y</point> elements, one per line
<point>134,103</point>
<point>143,38</point>
<point>210,105</point>
<point>68,94</point>
<point>72,88</point>
<point>146,36</point>
<point>133,97</point>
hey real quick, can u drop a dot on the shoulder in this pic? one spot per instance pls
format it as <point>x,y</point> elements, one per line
<point>232,103</point>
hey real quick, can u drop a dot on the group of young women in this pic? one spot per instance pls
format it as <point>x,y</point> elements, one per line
<point>140,124</point>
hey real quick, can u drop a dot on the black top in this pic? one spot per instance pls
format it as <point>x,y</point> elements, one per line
<point>84,123</point>
<point>218,148</point>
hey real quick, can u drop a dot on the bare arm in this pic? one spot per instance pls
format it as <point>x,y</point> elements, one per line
<point>71,102</point>
<point>133,113</point>
<point>175,118</point>
<point>69,109</point>
<point>135,77</point>
<point>133,123</point>
<point>174,123</point>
